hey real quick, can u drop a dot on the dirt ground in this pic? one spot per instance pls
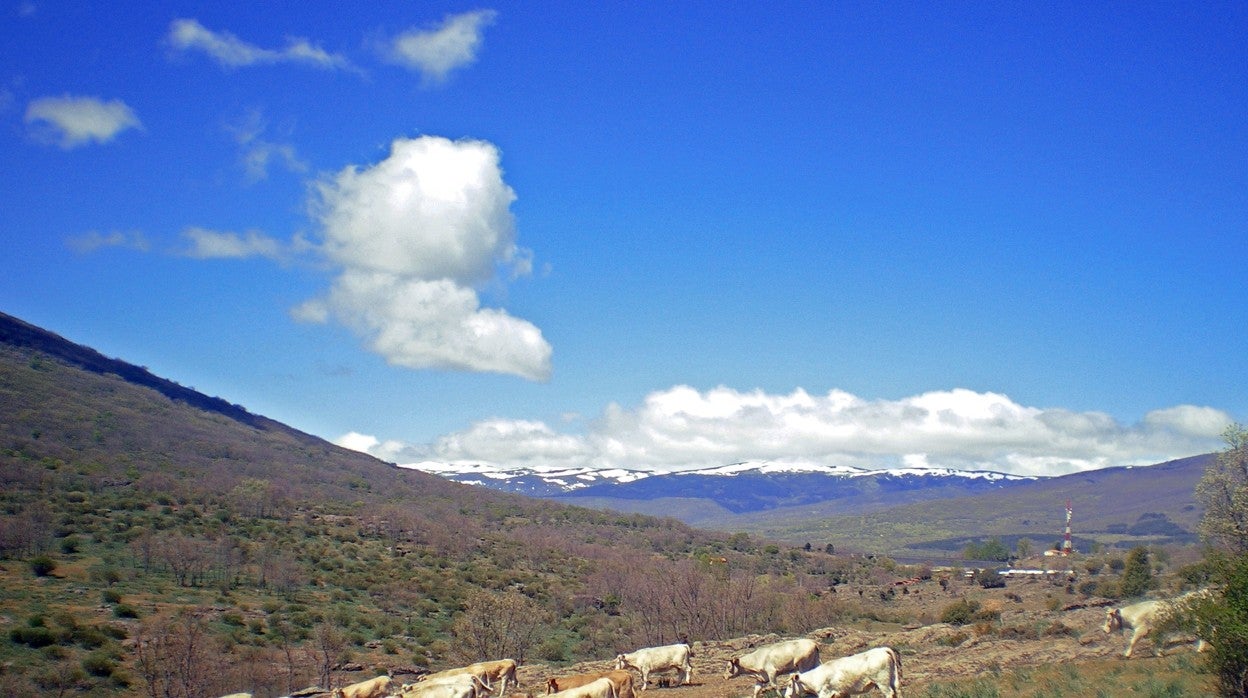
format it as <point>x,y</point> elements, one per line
<point>1027,633</point>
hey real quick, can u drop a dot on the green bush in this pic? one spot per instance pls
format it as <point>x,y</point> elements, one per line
<point>42,565</point>
<point>1221,618</point>
<point>32,637</point>
<point>99,664</point>
<point>111,596</point>
<point>990,579</point>
<point>1137,574</point>
<point>959,612</point>
<point>123,610</point>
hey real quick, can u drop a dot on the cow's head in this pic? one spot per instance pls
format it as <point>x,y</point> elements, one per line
<point>734,668</point>
<point>621,662</point>
<point>1113,620</point>
<point>552,686</point>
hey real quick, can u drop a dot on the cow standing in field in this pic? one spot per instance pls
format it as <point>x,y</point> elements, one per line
<point>453,686</point>
<point>849,676</point>
<point>598,688</point>
<point>1143,619</point>
<point>654,659</point>
<point>765,663</point>
<point>623,681</point>
<point>372,688</point>
<point>502,671</point>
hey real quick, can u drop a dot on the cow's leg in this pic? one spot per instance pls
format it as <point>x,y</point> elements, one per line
<point>1135,637</point>
<point>645,679</point>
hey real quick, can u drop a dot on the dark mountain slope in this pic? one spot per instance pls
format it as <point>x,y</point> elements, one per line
<point>1125,505</point>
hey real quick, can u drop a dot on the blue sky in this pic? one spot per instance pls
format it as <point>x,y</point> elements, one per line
<point>666,234</point>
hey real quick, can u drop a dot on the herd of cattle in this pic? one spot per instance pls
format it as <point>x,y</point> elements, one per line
<point>859,673</point>
<point>879,667</point>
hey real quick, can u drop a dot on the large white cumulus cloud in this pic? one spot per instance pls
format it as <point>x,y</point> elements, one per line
<point>681,428</point>
<point>414,236</point>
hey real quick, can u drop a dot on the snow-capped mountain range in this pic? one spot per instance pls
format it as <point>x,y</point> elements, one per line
<point>736,487</point>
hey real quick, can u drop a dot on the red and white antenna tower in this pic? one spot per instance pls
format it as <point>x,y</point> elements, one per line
<point>1067,548</point>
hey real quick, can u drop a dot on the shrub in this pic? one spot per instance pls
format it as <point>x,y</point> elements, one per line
<point>42,565</point>
<point>1221,619</point>
<point>1137,575</point>
<point>122,610</point>
<point>959,612</point>
<point>953,639</point>
<point>99,664</point>
<point>990,579</point>
<point>116,632</point>
<point>32,636</point>
<point>111,596</point>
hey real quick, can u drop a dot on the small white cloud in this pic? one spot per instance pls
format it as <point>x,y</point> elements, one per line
<point>365,443</point>
<point>357,442</point>
<point>259,153</point>
<point>93,240</point>
<point>315,312</point>
<point>232,52</point>
<point>682,428</point>
<point>414,235</point>
<point>213,244</point>
<point>438,51</point>
<point>75,121</point>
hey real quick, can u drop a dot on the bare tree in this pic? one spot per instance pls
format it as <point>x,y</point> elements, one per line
<point>328,647</point>
<point>188,558</point>
<point>173,657</point>
<point>495,625</point>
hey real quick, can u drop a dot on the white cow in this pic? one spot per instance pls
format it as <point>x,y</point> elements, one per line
<point>849,676</point>
<point>1143,618</point>
<point>502,671</point>
<point>598,688</point>
<point>451,686</point>
<point>372,688</point>
<point>765,663</point>
<point>653,659</point>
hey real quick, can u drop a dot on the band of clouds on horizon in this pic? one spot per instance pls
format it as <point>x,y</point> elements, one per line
<point>682,428</point>
<point>76,121</point>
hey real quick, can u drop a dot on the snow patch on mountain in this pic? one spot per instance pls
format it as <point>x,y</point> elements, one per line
<point>571,479</point>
